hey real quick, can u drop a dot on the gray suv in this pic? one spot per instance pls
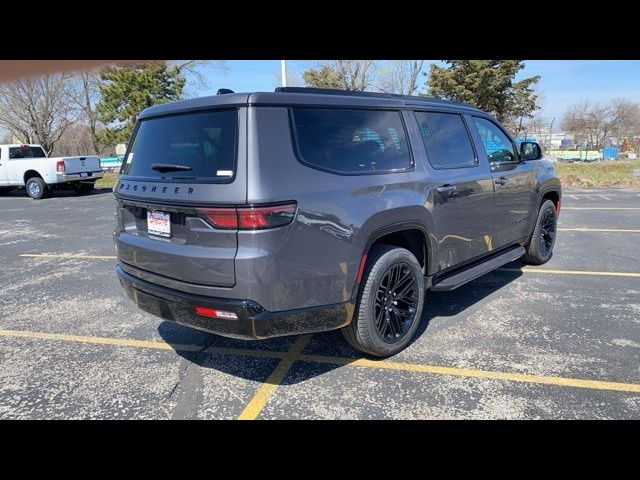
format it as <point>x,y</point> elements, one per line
<point>254,215</point>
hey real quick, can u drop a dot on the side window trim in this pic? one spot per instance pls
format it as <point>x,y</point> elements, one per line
<point>300,159</point>
<point>506,134</point>
<point>476,160</point>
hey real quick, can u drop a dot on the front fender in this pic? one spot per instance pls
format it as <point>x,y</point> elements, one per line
<point>547,180</point>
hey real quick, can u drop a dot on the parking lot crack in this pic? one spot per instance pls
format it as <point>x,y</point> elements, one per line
<point>187,392</point>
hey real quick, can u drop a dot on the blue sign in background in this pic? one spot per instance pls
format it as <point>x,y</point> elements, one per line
<point>610,153</point>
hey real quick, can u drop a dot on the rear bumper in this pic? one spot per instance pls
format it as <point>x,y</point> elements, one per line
<point>254,322</point>
<point>73,177</point>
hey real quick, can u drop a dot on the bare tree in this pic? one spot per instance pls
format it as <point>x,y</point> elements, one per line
<point>536,124</point>
<point>626,118</point>
<point>398,76</point>
<point>355,73</point>
<point>38,109</point>
<point>524,110</point>
<point>293,80</point>
<point>86,94</point>
<point>596,123</point>
<point>586,122</point>
<point>76,140</point>
<point>193,71</point>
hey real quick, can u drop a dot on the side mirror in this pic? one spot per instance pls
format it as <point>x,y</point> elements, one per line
<point>530,151</point>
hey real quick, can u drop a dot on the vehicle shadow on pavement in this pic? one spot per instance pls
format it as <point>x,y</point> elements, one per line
<point>326,344</point>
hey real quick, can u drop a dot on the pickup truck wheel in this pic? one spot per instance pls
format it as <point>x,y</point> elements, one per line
<point>389,304</point>
<point>540,246</point>
<point>37,188</point>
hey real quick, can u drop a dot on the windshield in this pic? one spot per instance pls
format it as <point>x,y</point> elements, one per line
<point>185,147</point>
<point>26,151</point>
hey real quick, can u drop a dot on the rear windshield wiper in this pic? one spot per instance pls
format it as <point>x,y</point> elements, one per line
<point>169,167</point>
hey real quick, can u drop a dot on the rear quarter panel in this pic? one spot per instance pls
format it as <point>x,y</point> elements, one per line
<point>315,260</point>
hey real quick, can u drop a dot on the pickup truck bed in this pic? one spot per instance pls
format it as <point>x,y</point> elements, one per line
<point>28,166</point>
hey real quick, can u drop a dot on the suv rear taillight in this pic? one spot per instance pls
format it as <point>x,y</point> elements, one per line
<point>250,218</point>
<point>60,166</point>
<point>255,218</point>
<point>226,218</point>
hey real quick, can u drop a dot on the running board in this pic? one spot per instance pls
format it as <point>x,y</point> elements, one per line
<point>459,279</point>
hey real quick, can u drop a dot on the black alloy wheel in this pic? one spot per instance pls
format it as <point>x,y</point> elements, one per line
<point>396,300</point>
<point>547,233</point>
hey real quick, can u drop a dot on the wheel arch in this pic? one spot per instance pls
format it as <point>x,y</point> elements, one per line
<point>413,236</point>
<point>30,174</point>
<point>550,194</point>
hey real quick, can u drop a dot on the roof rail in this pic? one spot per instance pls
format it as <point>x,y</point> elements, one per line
<point>358,93</point>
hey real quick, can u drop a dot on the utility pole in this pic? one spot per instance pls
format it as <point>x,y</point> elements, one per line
<point>283,71</point>
<point>551,131</point>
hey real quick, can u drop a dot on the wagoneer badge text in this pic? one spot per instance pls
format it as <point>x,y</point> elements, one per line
<point>154,189</point>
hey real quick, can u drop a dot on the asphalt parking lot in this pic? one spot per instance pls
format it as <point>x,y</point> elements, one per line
<point>557,341</point>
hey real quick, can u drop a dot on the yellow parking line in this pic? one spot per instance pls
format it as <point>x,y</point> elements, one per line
<point>120,342</point>
<point>264,393</point>
<point>614,230</point>
<point>67,255</point>
<point>598,208</point>
<point>570,272</point>
<point>472,373</point>
<point>128,342</point>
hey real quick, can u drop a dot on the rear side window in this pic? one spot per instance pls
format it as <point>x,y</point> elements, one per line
<point>26,152</point>
<point>447,132</point>
<point>350,141</point>
<point>185,147</point>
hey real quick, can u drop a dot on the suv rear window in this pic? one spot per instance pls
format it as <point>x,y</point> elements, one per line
<point>202,145</point>
<point>26,152</point>
<point>351,141</point>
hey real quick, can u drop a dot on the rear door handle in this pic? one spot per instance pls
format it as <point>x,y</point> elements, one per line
<point>446,189</point>
<point>501,180</point>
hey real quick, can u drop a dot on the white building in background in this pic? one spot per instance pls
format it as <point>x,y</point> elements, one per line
<point>121,148</point>
<point>559,140</point>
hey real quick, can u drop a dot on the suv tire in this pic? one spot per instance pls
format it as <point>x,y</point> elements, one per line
<point>389,271</point>
<point>540,248</point>
<point>37,188</point>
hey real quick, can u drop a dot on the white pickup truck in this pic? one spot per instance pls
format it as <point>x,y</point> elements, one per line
<point>28,166</point>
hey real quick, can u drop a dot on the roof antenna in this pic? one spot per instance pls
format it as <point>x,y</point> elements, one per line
<point>223,91</point>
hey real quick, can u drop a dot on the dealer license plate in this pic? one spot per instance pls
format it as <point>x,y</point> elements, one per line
<point>159,223</point>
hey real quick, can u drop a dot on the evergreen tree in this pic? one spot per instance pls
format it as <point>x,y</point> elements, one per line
<point>323,77</point>
<point>486,84</point>
<point>126,91</point>
<point>340,74</point>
